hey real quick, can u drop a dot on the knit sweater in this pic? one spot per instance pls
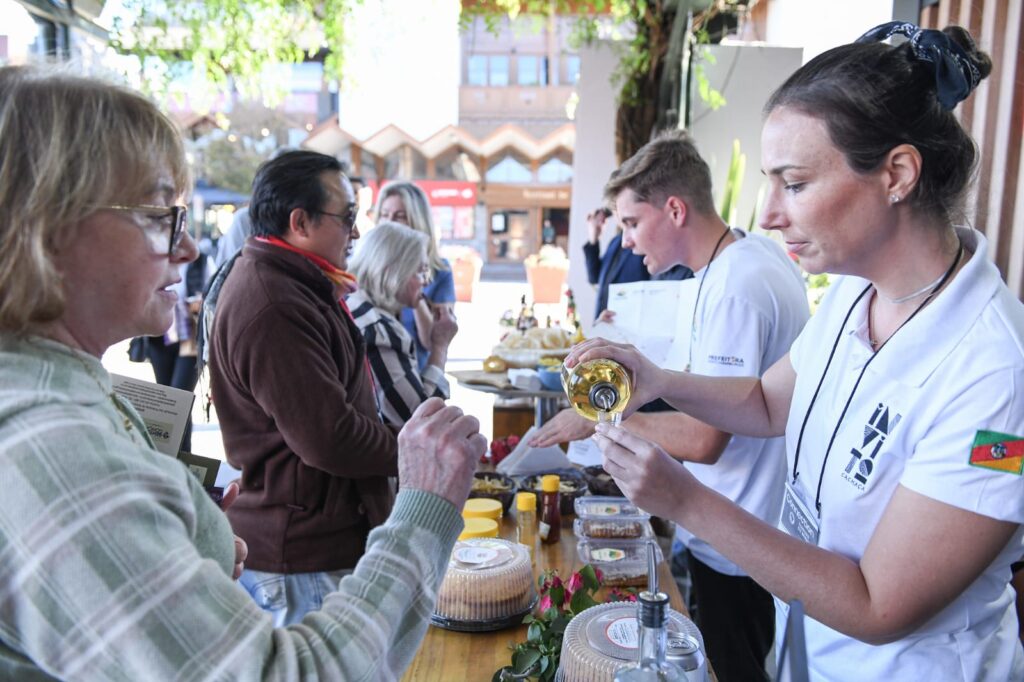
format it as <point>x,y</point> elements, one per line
<point>115,564</point>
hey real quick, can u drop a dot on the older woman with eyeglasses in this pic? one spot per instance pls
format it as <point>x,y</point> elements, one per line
<point>392,267</point>
<point>114,562</point>
<point>405,203</point>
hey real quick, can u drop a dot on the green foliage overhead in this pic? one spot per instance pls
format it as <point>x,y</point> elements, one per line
<point>234,40</point>
<point>650,75</point>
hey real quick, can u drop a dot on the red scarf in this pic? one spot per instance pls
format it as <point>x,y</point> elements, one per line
<point>344,282</point>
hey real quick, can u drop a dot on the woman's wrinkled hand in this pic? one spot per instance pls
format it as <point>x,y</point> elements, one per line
<point>445,327</point>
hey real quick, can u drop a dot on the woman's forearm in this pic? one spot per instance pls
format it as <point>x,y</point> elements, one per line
<point>889,592</point>
<point>738,405</point>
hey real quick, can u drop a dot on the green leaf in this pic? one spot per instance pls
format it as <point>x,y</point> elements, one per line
<point>525,660</point>
<point>581,601</point>
<point>559,625</point>
<point>534,633</point>
<point>590,580</point>
<point>557,595</point>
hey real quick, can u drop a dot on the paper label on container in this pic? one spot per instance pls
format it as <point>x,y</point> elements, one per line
<point>607,554</point>
<point>624,632</point>
<point>481,553</point>
<point>543,530</point>
<point>605,510</point>
<point>475,555</point>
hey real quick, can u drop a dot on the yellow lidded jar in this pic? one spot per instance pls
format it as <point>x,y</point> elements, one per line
<point>482,508</point>
<point>549,483</point>
<point>479,528</point>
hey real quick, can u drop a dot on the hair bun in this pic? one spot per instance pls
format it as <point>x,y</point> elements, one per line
<point>957,64</point>
<point>981,60</point>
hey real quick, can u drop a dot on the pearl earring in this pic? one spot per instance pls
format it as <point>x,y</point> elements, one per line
<point>894,198</point>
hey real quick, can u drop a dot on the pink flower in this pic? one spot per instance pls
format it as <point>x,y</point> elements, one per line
<point>545,604</point>
<point>599,575</point>
<point>556,581</point>
<point>575,582</point>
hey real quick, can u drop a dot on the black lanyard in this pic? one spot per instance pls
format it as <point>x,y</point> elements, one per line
<point>696,301</point>
<point>824,373</point>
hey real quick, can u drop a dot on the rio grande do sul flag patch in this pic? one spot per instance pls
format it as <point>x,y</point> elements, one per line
<point>998,451</point>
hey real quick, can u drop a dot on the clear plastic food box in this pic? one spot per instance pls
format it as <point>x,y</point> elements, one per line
<point>623,562</point>
<point>610,517</point>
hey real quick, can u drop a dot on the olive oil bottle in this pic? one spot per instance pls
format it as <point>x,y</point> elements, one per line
<point>597,389</point>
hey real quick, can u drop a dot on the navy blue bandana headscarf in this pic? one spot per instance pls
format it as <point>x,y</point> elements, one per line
<point>955,74</point>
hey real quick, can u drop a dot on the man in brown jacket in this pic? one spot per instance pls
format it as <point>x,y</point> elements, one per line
<point>293,391</point>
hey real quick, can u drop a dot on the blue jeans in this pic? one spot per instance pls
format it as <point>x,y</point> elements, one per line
<point>287,597</point>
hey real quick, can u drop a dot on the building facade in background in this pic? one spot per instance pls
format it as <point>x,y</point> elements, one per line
<point>499,180</point>
<point>60,30</point>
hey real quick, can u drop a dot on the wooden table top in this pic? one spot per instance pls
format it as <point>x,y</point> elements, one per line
<point>445,655</point>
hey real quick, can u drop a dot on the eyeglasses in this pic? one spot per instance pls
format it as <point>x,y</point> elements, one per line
<point>424,273</point>
<point>348,217</point>
<point>164,227</point>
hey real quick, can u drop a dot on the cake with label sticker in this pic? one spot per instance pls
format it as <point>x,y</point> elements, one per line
<point>605,638</point>
<point>488,586</point>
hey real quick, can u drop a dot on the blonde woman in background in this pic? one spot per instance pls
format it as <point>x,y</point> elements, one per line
<point>405,203</point>
<point>392,268</point>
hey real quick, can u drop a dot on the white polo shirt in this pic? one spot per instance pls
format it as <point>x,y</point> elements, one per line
<point>954,370</point>
<point>752,306</point>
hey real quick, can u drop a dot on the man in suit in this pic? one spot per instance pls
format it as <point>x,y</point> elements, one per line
<point>618,265</point>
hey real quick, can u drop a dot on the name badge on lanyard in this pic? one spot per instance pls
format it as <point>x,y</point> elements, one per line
<point>797,518</point>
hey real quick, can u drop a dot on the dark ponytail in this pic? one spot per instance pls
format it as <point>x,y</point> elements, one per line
<point>874,97</point>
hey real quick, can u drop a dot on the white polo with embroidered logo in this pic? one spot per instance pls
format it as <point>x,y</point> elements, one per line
<point>951,374</point>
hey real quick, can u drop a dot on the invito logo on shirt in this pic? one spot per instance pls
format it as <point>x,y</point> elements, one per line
<point>862,459</point>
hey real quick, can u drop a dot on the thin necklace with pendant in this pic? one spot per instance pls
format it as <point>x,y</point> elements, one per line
<point>927,289</point>
<point>931,289</point>
<point>129,427</point>
<point>693,320</point>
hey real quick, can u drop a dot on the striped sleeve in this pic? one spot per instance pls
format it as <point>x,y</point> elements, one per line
<point>400,386</point>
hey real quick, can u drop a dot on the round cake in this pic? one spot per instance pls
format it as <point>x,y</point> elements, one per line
<point>605,638</point>
<point>488,585</point>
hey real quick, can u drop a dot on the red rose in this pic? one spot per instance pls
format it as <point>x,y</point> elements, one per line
<point>575,581</point>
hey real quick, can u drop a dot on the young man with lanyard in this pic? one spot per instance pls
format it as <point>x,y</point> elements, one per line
<point>751,304</point>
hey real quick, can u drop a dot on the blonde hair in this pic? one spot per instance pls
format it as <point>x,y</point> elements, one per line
<point>389,255</point>
<point>417,206</point>
<point>68,146</point>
